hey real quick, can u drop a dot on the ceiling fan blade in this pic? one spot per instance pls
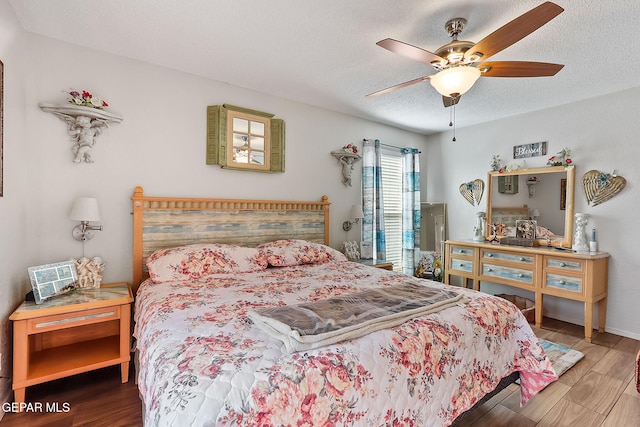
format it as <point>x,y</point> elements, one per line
<point>514,31</point>
<point>449,101</point>
<point>519,69</point>
<point>410,51</point>
<point>398,86</point>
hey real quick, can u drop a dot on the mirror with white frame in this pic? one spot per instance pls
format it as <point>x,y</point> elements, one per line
<point>545,195</point>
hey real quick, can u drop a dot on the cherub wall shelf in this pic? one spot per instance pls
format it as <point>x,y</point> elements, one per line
<point>84,124</point>
<point>347,156</point>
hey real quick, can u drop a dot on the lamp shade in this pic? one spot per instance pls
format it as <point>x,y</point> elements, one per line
<point>535,213</point>
<point>455,80</point>
<point>356,212</point>
<point>85,209</point>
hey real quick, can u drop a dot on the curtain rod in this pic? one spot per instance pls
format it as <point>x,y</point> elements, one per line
<point>393,146</point>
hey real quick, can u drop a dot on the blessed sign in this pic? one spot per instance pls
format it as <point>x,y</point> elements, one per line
<point>530,150</point>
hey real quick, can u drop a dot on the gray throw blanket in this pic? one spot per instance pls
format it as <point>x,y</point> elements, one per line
<point>320,323</point>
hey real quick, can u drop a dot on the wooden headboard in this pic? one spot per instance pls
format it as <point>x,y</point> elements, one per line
<point>164,222</point>
<point>508,215</point>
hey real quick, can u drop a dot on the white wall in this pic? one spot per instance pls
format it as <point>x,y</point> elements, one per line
<point>13,205</point>
<point>160,145</point>
<point>603,134</point>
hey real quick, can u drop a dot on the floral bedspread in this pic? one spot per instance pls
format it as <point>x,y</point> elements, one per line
<point>202,361</point>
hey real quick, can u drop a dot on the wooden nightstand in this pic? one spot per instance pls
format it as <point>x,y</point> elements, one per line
<point>385,265</point>
<point>66,335</point>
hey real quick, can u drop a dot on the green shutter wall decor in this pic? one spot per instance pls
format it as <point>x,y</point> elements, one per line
<point>218,143</point>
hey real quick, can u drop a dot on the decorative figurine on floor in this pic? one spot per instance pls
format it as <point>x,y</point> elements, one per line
<point>437,271</point>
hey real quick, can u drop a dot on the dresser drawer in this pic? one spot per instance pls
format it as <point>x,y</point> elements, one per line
<point>459,250</point>
<point>510,273</point>
<point>511,257</point>
<point>462,265</point>
<point>564,264</point>
<point>564,283</point>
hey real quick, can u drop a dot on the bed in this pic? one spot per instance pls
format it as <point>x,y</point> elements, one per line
<point>202,361</point>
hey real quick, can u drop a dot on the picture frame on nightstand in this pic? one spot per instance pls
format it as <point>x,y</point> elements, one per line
<point>49,280</point>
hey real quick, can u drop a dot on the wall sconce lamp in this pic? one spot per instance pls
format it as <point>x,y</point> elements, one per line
<point>535,213</point>
<point>354,217</point>
<point>85,210</point>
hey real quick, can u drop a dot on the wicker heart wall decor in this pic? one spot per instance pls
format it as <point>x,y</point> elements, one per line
<point>600,187</point>
<point>472,191</point>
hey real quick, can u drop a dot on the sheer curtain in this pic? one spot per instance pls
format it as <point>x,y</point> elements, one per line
<point>410,209</point>
<point>372,199</point>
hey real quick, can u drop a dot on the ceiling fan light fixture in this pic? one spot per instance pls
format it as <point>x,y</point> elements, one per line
<point>456,80</point>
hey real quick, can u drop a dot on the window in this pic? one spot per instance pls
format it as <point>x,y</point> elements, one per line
<point>391,165</point>
<point>239,138</point>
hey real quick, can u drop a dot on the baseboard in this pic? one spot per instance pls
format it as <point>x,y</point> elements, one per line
<point>622,333</point>
<point>580,321</point>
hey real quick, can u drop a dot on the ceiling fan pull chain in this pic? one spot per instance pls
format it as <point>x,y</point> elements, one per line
<point>452,121</point>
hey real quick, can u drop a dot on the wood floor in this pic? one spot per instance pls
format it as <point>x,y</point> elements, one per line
<point>598,391</point>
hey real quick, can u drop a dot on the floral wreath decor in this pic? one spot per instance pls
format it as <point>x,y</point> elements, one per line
<point>86,99</point>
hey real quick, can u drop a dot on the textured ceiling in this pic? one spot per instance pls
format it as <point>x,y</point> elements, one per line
<point>323,52</point>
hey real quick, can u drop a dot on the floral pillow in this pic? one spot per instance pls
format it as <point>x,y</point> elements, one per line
<point>200,260</point>
<point>282,253</point>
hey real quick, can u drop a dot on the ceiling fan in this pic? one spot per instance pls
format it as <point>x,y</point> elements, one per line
<point>460,63</point>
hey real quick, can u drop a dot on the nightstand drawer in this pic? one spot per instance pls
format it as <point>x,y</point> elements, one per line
<point>510,273</point>
<point>65,321</point>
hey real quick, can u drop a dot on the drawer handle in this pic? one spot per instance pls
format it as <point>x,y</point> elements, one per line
<point>562,264</point>
<point>460,251</point>
<point>489,255</point>
<point>461,265</point>
<point>489,270</point>
<point>520,275</point>
<point>522,258</point>
<point>562,282</point>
